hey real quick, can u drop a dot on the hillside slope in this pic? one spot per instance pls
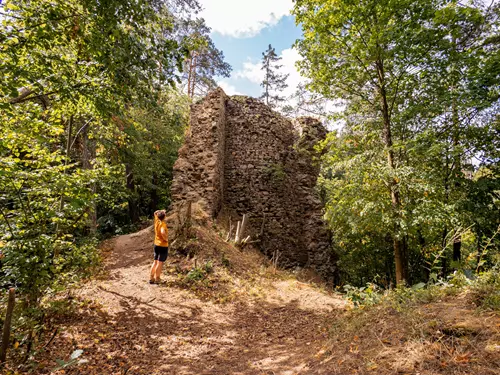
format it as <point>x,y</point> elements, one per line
<point>224,310</point>
<point>241,318</point>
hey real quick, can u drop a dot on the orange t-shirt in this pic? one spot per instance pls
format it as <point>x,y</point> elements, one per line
<point>159,240</point>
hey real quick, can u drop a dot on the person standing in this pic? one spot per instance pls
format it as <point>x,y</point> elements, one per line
<point>160,246</point>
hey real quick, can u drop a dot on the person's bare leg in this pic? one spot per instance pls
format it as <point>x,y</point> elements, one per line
<point>153,270</point>
<point>159,267</point>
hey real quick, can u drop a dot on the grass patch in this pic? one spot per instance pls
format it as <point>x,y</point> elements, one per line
<point>443,328</point>
<point>485,291</point>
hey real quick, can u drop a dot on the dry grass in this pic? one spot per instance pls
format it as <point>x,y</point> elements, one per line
<point>447,336</point>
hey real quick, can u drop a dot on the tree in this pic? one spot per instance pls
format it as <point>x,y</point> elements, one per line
<point>367,52</point>
<point>305,103</point>
<point>77,75</point>
<point>205,62</point>
<point>273,82</point>
<point>456,88</point>
<point>395,65</point>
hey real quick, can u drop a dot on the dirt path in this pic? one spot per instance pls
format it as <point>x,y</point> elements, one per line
<point>132,327</point>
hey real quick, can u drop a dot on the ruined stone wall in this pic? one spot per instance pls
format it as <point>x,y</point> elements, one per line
<point>242,157</point>
<point>199,169</point>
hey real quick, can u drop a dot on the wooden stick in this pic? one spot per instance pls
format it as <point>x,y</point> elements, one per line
<point>229,233</point>
<point>237,236</point>
<point>6,325</point>
<point>254,241</point>
<point>230,230</point>
<point>54,336</point>
<point>243,227</point>
<point>178,229</point>
<point>275,259</point>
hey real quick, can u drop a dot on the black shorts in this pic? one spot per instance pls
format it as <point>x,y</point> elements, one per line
<point>161,253</point>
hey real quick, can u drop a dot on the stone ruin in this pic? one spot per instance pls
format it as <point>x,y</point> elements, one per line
<point>241,157</point>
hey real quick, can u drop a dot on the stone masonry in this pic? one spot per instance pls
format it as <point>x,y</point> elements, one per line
<point>241,157</point>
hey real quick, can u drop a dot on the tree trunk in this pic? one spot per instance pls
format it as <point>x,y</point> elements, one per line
<point>457,240</point>
<point>190,70</point>
<point>479,248</point>
<point>267,81</point>
<point>154,195</point>
<point>399,257</point>
<point>66,160</point>
<point>193,79</point>
<point>88,154</point>
<point>457,247</point>
<point>132,202</point>
<point>68,149</point>
<point>6,325</point>
<point>406,257</point>
<point>192,75</point>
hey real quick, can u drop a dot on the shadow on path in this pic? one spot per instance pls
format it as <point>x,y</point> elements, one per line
<point>147,339</point>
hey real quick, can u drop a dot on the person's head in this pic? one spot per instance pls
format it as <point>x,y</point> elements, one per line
<point>161,214</point>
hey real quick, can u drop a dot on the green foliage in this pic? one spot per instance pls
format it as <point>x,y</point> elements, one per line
<point>274,82</point>
<point>200,273</point>
<point>275,172</point>
<point>152,138</point>
<point>91,123</point>
<point>205,62</point>
<point>208,267</point>
<point>483,289</point>
<point>225,261</point>
<point>413,164</point>
<point>196,274</point>
<point>486,290</point>
<point>364,296</point>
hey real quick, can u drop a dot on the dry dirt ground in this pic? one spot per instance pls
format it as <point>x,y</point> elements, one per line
<point>245,318</point>
<point>126,326</point>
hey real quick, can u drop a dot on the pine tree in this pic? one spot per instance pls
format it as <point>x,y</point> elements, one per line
<point>273,82</point>
<point>204,62</point>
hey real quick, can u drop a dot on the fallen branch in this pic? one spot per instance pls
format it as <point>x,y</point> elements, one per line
<point>54,334</point>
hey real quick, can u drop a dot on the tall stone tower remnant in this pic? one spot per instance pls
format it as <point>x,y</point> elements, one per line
<point>240,157</point>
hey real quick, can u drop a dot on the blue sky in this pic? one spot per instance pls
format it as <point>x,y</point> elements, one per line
<point>243,30</point>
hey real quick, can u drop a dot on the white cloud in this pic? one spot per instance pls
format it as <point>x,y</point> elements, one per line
<point>254,73</point>
<point>289,57</point>
<point>243,18</point>
<point>228,88</point>
<point>251,71</point>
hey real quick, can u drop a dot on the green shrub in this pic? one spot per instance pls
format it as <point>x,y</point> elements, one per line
<point>208,267</point>
<point>196,274</point>
<point>486,290</point>
<point>364,296</point>
<point>276,172</point>
<point>225,261</point>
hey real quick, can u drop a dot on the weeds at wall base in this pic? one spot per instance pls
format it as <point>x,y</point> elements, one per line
<point>484,290</point>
